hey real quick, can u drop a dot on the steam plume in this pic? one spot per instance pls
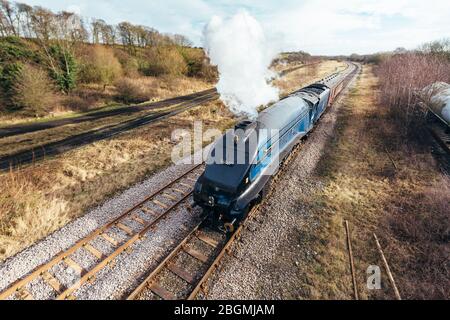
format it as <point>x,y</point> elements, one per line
<point>243,55</point>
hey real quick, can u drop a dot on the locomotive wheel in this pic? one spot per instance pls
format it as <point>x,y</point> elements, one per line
<point>229,227</point>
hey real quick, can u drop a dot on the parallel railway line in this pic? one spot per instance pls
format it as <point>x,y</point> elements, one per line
<point>28,156</point>
<point>14,130</point>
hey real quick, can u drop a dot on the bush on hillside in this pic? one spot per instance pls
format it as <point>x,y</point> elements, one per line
<point>129,63</point>
<point>33,91</point>
<point>160,61</point>
<point>99,65</point>
<point>9,73</point>
<point>13,49</point>
<point>198,64</point>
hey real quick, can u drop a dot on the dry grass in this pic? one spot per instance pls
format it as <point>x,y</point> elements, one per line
<point>304,76</point>
<point>45,197</point>
<point>90,96</point>
<point>134,91</point>
<point>407,207</point>
<point>402,76</point>
<point>142,89</point>
<point>284,66</point>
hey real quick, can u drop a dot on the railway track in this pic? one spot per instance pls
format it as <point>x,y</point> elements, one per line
<point>146,214</point>
<point>187,268</point>
<point>202,250</point>
<point>439,129</point>
<point>96,115</point>
<point>37,153</point>
<point>185,271</point>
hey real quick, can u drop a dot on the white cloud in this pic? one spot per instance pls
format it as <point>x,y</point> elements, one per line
<point>318,26</point>
<point>364,26</point>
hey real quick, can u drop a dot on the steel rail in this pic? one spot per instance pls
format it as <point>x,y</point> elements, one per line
<point>163,263</point>
<point>40,270</point>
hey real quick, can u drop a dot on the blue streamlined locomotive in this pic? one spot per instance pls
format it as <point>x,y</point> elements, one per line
<point>242,162</point>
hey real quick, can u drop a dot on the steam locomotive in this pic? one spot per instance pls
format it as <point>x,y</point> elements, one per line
<point>242,162</point>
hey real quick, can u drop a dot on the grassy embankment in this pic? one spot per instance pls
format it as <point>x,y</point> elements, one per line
<point>304,76</point>
<point>404,201</point>
<point>106,77</point>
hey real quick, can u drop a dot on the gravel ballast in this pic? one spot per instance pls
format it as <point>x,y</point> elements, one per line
<point>115,281</point>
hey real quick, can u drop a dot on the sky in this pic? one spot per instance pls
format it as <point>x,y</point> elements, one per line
<point>324,27</point>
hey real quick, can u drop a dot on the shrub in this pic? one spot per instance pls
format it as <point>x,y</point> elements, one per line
<point>76,103</point>
<point>129,63</point>
<point>99,65</point>
<point>12,49</point>
<point>33,91</point>
<point>3,101</point>
<point>159,61</point>
<point>198,64</point>
<point>133,91</point>
<point>403,75</point>
<point>194,60</point>
<point>8,77</point>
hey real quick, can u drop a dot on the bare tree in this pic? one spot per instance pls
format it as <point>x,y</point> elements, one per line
<point>181,40</point>
<point>42,24</point>
<point>438,48</point>
<point>108,34</point>
<point>127,36</point>
<point>25,19</point>
<point>8,19</point>
<point>96,30</point>
<point>4,25</point>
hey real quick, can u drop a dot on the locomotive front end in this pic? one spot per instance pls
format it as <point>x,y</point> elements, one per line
<point>220,189</point>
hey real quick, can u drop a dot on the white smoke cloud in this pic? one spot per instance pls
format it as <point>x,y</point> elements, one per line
<point>243,54</point>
